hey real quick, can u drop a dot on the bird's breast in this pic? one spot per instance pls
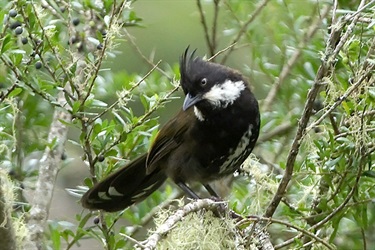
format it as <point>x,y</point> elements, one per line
<point>237,154</point>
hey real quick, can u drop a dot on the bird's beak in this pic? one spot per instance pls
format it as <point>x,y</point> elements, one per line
<point>190,101</point>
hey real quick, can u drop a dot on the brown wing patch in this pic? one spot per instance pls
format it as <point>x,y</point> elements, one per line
<point>168,139</point>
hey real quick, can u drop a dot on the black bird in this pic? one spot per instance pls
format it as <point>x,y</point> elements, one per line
<point>209,138</point>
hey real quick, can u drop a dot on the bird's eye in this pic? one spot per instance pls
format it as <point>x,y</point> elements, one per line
<point>204,81</point>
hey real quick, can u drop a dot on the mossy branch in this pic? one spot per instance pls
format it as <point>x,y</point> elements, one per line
<point>7,232</point>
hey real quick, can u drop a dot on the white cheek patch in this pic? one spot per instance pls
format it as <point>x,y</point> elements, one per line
<point>222,95</point>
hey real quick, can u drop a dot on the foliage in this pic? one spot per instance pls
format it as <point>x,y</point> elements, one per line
<point>289,50</point>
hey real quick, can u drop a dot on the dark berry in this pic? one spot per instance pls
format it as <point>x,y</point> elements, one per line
<point>101,158</point>
<point>62,9</point>
<point>15,24</point>
<point>317,130</point>
<point>24,40</point>
<point>18,30</point>
<point>96,220</point>
<point>38,41</point>
<point>99,46</point>
<point>13,13</point>
<point>75,21</point>
<point>38,65</point>
<point>73,40</point>
<point>63,156</point>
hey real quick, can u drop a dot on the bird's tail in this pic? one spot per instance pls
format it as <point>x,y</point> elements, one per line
<point>124,187</point>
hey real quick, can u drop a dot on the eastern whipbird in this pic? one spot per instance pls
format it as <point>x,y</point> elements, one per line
<point>210,138</point>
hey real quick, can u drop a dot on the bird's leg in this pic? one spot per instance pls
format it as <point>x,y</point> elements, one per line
<point>211,191</point>
<point>187,190</point>
<point>223,208</point>
<point>220,210</point>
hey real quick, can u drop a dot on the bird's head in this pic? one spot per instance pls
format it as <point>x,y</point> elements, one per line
<point>209,85</point>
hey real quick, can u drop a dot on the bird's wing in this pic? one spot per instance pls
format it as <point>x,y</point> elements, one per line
<point>169,138</point>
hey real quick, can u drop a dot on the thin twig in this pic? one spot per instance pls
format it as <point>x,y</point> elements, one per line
<point>123,97</point>
<point>342,98</point>
<point>282,129</point>
<point>334,212</point>
<point>205,27</point>
<point>221,52</point>
<point>134,241</point>
<point>99,61</point>
<point>150,215</point>
<point>55,53</point>
<point>3,96</point>
<point>281,222</point>
<point>243,29</point>
<point>324,71</point>
<point>289,65</point>
<point>214,27</point>
<point>138,50</point>
<point>143,118</point>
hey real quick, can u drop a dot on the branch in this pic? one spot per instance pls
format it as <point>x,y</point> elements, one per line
<point>205,28</point>
<point>287,68</point>
<point>169,224</point>
<point>220,52</point>
<point>244,28</point>
<point>324,71</point>
<point>366,71</point>
<point>138,50</point>
<point>259,232</point>
<point>3,96</point>
<point>7,232</point>
<point>125,96</point>
<point>150,215</point>
<point>49,166</point>
<point>280,130</point>
<point>303,231</point>
<point>214,27</point>
<point>335,211</point>
<point>342,98</point>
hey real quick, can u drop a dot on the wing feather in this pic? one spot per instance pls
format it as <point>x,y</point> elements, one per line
<point>170,137</point>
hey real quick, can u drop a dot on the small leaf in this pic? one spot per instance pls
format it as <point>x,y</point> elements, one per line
<point>88,182</point>
<point>111,152</point>
<point>369,173</point>
<point>76,106</point>
<point>15,92</point>
<point>93,40</point>
<point>98,103</point>
<point>5,45</point>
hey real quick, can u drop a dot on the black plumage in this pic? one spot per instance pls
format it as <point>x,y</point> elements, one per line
<point>209,138</point>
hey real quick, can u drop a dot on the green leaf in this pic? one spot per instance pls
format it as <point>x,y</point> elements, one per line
<point>99,103</point>
<point>111,152</point>
<point>88,182</point>
<point>97,129</point>
<point>76,106</point>
<point>15,92</point>
<point>55,238</point>
<point>330,163</point>
<point>5,43</point>
<point>369,173</point>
